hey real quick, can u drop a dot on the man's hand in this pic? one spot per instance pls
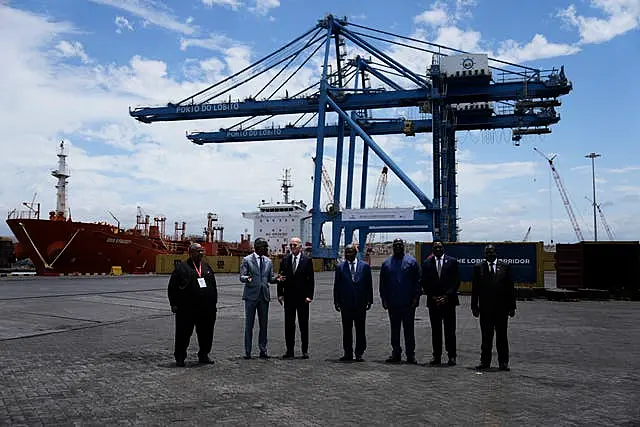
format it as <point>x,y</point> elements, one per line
<point>280,278</point>
<point>307,300</point>
<point>281,300</point>
<point>475,313</point>
<point>337,307</point>
<point>368,306</point>
<point>512,313</point>
<point>174,308</point>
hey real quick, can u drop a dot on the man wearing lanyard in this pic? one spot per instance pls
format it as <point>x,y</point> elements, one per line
<point>193,296</point>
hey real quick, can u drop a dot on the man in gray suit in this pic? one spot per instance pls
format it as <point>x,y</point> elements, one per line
<point>256,272</point>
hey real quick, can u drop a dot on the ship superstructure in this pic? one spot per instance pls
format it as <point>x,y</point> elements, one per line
<point>278,222</point>
<point>59,245</point>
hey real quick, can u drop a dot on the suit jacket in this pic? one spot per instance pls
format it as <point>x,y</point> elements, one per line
<point>299,285</point>
<point>492,293</point>
<point>258,287</point>
<point>447,284</point>
<point>353,295</point>
<point>184,291</point>
<point>400,282</point>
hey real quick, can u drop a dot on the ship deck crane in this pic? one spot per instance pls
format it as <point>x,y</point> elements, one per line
<point>563,195</point>
<point>456,91</point>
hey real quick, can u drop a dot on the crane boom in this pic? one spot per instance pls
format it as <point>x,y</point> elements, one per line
<point>563,195</point>
<point>378,200</point>
<point>604,220</point>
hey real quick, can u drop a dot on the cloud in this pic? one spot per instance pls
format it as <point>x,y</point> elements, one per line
<point>233,4</point>
<point>623,170</point>
<point>538,48</point>
<point>215,42</point>
<point>123,24</point>
<point>436,16</point>
<point>474,178</point>
<point>262,7</point>
<point>68,49</point>
<point>620,17</point>
<point>151,11</point>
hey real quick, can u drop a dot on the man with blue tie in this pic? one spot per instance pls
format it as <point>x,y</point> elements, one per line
<point>353,297</point>
<point>256,272</point>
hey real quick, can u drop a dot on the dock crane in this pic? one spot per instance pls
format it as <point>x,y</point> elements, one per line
<point>604,220</point>
<point>526,235</point>
<point>563,195</point>
<point>378,200</point>
<point>457,92</point>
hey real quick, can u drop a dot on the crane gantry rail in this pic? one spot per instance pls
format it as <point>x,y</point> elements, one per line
<point>454,90</point>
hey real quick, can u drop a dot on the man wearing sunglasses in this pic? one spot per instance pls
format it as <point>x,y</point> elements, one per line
<point>295,292</point>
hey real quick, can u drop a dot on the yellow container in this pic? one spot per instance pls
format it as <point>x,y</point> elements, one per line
<point>116,270</point>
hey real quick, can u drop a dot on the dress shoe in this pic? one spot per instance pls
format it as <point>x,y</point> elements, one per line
<point>305,355</point>
<point>504,367</point>
<point>482,366</point>
<point>264,356</point>
<point>393,359</point>
<point>205,360</point>
<point>435,362</point>
<point>359,358</point>
<point>246,356</point>
<point>412,361</point>
<point>287,356</point>
<point>180,363</point>
<point>452,361</point>
<point>346,358</point>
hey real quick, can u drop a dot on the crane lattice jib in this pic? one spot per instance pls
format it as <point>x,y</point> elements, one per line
<point>564,196</point>
<point>378,201</point>
<point>606,224</point>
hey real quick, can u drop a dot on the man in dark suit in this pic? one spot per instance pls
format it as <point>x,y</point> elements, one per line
<point>440,283</point>
<point>256,272</point>
<point>295,291</point>
<point>353,297</point>
<point>400,294</point>
<point>493,299</point>
<point>193,296</point>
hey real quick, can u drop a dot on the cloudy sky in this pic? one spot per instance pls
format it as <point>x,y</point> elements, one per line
<point>72,69</point>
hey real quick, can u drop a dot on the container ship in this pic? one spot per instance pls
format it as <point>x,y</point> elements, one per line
<point>58,245</point>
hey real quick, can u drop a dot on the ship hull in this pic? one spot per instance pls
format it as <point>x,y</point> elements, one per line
<point>67,247</point>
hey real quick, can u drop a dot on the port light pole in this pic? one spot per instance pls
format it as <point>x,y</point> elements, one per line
<point>593,157</point>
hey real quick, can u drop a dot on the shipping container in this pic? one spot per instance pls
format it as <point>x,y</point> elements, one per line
<point>611,266</point>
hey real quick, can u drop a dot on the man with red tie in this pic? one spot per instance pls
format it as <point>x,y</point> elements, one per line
<point>295,292</point>
<point>440,283</point>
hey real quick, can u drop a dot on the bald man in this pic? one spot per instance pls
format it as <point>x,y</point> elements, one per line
<point>295,292</point>
<point>193,296</point>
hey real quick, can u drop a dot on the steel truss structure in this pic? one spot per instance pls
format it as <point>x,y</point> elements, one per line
<point>501,95</point>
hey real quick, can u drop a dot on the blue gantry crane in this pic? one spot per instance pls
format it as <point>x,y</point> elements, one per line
<point>457,91</point>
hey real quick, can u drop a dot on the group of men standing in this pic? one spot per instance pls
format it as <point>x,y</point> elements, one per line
<point>193,298</point>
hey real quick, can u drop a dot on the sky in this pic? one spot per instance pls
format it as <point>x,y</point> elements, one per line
<point>73,68</point>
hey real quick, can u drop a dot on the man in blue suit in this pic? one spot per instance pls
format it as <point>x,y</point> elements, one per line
<point>256,272</point>
<point>400,294</point>
<point>353,297</point>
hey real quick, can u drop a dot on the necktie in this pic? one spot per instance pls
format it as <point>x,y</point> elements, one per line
<point>491,268</point>
<point>439,266</point>
<point>260,257</point>
<point>353,271</point>
<point>295,263</point>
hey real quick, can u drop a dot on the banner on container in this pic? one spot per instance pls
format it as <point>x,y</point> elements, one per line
<point>377,214</point>
<point>522,257</point>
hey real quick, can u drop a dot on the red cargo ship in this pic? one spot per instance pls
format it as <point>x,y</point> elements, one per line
<point>59,245</point>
